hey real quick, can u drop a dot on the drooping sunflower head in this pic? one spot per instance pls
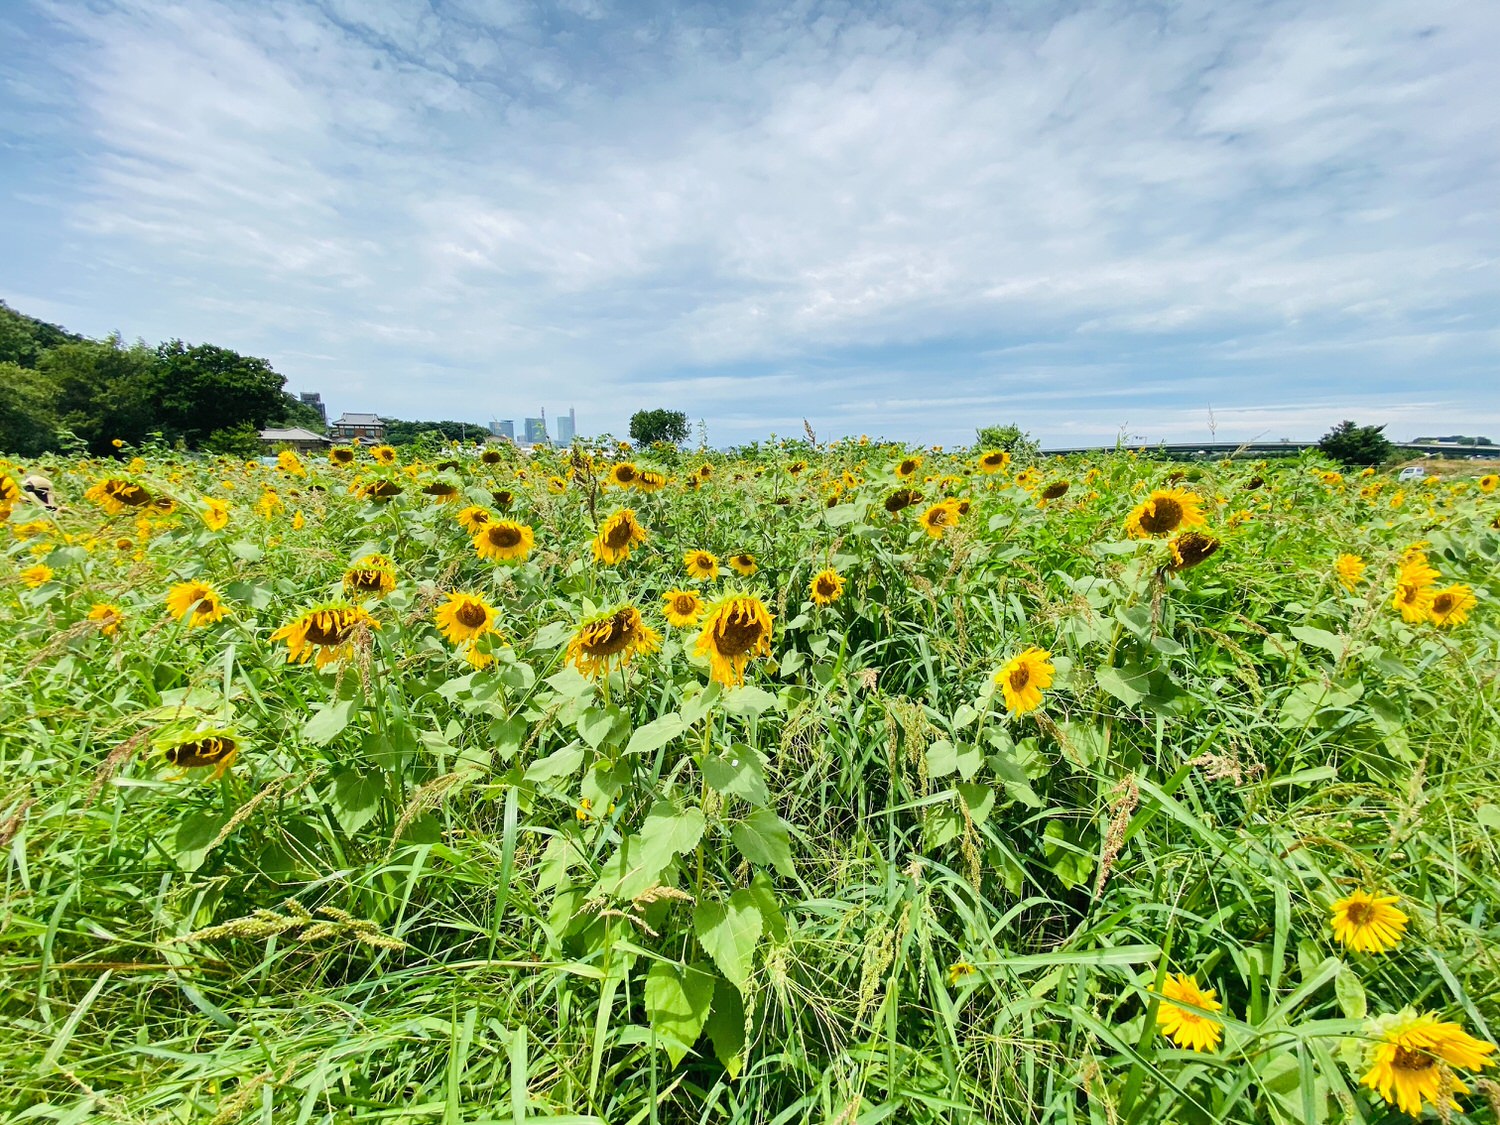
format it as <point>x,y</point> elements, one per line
<point>617,537</point>
<point>1189,548</point>
<point>612,638</point>
<point>826,587</point>
<point>941,518</point>
<point>114,495</point>
<point>444,490</point>
<point>701,565</point>
<point>341,455</point>
<point>1368,923</point>
<point>681,608</point>
<point>1023,678</point>
<point>503,498</point>
<point>384,454</point>
<point>380,490</point>
<point>907,467</point>
<point>504,541</point>
<point>623,475</point>
<point>1055,491</point>
<point>901,499</point>
<point>1451,606</point>
<point>491,457</point>
<point>993,461</point>
<point>216,747</point>
<point>743,563</point>
<point>1165,511</point>
<point>1190,1027</point>
<point>326,633</point>
<point>373,575</point>
<point>464,618</point>
<point>735,630</point>
<point>199,602</point>
<point>796,467</point>
<point>473,518</point>
<point>649,480</point>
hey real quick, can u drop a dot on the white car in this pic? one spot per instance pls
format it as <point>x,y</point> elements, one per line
<point>1412,472</point>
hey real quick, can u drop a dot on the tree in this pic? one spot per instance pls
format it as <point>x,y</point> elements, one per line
<point>297,414</point>
<point>24,339</point>
<point>28,411</point>
<point>205,388</point>
<point>241,441</point>
<point>399,432</point>
<point>1355,446</point>
<point>103,390</point>
<point>1010,439</point>
<point>648,427</point>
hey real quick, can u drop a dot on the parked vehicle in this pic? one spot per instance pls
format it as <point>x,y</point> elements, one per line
<point>1412,472</point>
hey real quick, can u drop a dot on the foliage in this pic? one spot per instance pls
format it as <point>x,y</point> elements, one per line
<point>399,432</point>
<point>103,390</point>
<point>1356,446</point>
<point>242,441</point>
<point>1009,439</point>
<point>28,422</point>
<point>296,414</point>
<point>458,881</point>
<point>650,427</point>
<point>24,339</point>
<point>202,389</point>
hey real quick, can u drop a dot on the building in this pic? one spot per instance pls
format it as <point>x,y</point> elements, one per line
<point>536,431</point>
<point>303,441</point>
<point>504,427</point>
<point>567,427</point>
<point>314,400</point>
<point>366,427</point>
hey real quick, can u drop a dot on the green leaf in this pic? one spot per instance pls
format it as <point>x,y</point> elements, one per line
<point>1129,685</point>
<point>678,999</point>
<point>595,724</point>
<point>729,932</point>
<point>1321,638</point>
<point>656,734</point>
<point>763,838</point>
<point>552,636</point>
<point>978,799</point>
<point>328,721</point>
<point>942,758</point>
<point>355,797</point>
<point>726,1027</point>
<point>749,701</point>
<point>1351,993</point>
<point>560,763</point>
<point>699,705</point>
<point>194,833</point>
<point>739,776</point>
<point>642,857</point>
<point>249,552</point>
<point>764,896</point>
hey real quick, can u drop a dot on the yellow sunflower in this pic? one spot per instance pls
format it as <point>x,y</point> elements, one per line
<point>1451,606</point>
<point>1410,1061</point>
<point>503,498</point>
<point>735,629</point>
<point>623,475</point>
<point>1190,548</point>
<point>473,518</point>
<point>618,536</point>
<point>1368,923</point>
<point>199,599</point>
<point>993,461</point>
<point>444,491</point>
<point>901,499</point>
<point>373,574</point>
<point>958,971</point>
<point>743,564</point>
<point>215,513</point>
<point>115,495</point>
<point>38,575</point>
<point>682,608</point>
<point>1414,582</point>
<point>504,541</point>
<point>941,518</point>
<point>1350,569</point>
<point>826,587</point>
<point>465,617</point>
<point>384,454</point>
<point>288,462</point>
<point>556,485</point>
<point>612,638</point>
<point>1489,482</point>
<point>650,481</point>
<point>908,467</point>
<point>340,455</point>
<point>199,749</point>
<point>107,617</point>
<point>326,632</point>
<point>1055,491</point>
<point>701,565</point>
<point>1166,510</point>
<point>1023,679</point>
<point>1184,1026</point>
<point>705,471</point>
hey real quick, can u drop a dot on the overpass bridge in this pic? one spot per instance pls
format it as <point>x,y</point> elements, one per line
<point>1212,450</point>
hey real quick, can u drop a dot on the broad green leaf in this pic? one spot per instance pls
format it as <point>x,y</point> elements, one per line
<point>563,762</point>
<point>1129,685</point>
<point>726,1027</point>
<point>328,721</point>
<point>678,999</point>
<point>749,701</point>
<point>355,797</point>
<point>656,734</point>
<point>739,775</point>
<point>762,838</point>
<point>194,833</point>
<point>729,932</point>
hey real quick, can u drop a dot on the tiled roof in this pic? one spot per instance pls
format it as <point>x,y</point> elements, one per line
<point>347,419</point>
<point>295,434</point>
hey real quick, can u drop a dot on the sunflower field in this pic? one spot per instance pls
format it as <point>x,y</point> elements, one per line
<point>835,783</point>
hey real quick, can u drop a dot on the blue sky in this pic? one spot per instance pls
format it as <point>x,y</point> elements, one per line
<point>1171,220</point>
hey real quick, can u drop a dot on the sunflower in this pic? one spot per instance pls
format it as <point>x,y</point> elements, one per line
<point>1410,1060</point>
<point>623,475</point>
<point>693,484</point>
<point>743,564</point>
<point>340,455</point>
<point>1166,510</point>
<point>1189,548</point>
<point>958,971</point>
<point>705,471</point>
<point>107,617</point>
<point>701,565</point>
<point>199,599</point>
<point>618,536</point>
<point>115,495</point>
<point>1489,482</point>
<point>373,574</point>
<point>826,587</point>
<point>10,492</point>
<point>270,503</point>
<point>215,513</point>
<point>556,485</point>
<point>611,638</point>
<point>1349,568</point>
<point>1414,581</point>
<point>1190,1029</point>
<point>473,518</point>
<point>384,454</point>
<point>1023,678</point>
<point>288,462</point>
<point>900,499</point>
<point>465,617</point>
<point>1055,491</point>
<point>796,467</point>
<point>940,518</point>
<point>37,575</point>
<point>326,631</point>
<point>908,467</point>
<point>1368,923</point>
<point>682,608</point>
<point>444,491</point>
<point>503,498</point>
<point>736,629</point>
<point>1029,479</point>
<point>199,749</point>
<point>504,541</point>
<point>1451,606</point>
<point>380,490</point>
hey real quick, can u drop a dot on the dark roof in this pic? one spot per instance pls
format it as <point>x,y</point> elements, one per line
<point>348,419</point>
<point>294,434</point>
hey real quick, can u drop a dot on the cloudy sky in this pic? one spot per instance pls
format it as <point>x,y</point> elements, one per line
<point>1168,219</point>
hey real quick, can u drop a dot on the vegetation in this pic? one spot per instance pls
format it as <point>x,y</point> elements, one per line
<point>399,432</point>
<point>840,784</point>
<point>1010,439</point>
<point>658,427</point>
<point>1355,447</point>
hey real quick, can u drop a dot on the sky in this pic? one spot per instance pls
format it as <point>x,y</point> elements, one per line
<point>1169,221</point>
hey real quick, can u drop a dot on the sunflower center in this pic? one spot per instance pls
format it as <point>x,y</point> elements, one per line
<point>827,587</point>
<point>502,536</point>
<point>1442,604</point>
<point>202,752</point>
<point>1019,678</point>
<point>471,615</point>
<point>703,562</point>
<point>618,535</point>
<point>438,488</point>
<point>683,603</point>
<point>1053,491</point>
<point>738,636</point>
<point>612,636</point>
<point>908,467</point>
<point>329,630</point>
<point>1407,1059</point>
<point>625,474</point>
<point>1361,913</point>
<point>1164,516</point>
<point>365,579</point>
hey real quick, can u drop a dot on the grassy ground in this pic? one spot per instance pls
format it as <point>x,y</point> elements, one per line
<point>865,886</point>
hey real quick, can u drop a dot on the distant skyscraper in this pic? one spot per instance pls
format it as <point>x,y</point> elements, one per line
<point>315,400</point>
<point>536,431</point>
<point>567,427</point>
<point>504,427</point>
